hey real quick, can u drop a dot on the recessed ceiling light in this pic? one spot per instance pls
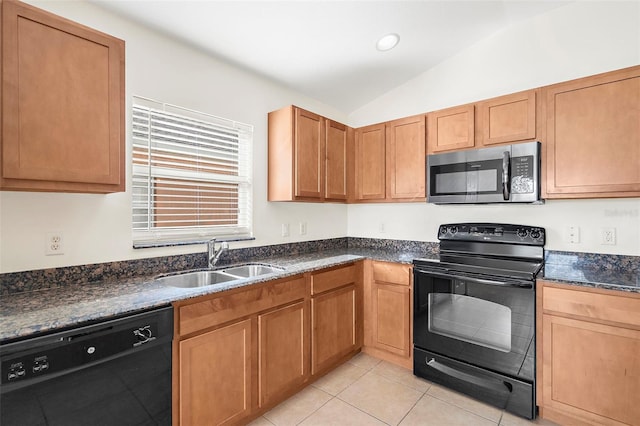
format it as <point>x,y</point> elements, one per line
<point>387,42</point>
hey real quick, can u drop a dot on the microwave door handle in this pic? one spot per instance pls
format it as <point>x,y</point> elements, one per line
<point>506,171</point>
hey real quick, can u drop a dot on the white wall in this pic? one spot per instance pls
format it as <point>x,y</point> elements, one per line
<point>580,39</point>
<point>97,228</point>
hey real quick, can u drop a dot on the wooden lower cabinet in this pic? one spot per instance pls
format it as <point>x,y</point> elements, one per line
<point>391,312</point>
<point>334,322</point>
<point>240,352</point>
<point>589,368</point>
<point>336,316</point>
<point>209,363</point>
<point>388,295</point>
<point>283,342</point>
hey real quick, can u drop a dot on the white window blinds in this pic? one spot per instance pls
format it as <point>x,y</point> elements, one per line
<point>191,175</point>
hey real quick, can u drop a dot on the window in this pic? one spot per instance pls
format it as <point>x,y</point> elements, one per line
<point>191,175</point>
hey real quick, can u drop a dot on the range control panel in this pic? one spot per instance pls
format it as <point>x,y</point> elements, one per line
<point>493,232</point>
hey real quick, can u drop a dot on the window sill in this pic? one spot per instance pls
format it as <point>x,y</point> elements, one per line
<point>155,244</point>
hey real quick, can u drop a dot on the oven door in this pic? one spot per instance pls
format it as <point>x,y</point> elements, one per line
<point>482,322</point>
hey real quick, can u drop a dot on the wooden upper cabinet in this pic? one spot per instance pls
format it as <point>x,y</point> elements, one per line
<point>62,104</point>
<point>309,154</point>
<point>593,136</point>
<point>507,119</point>
<point>370,163</point>
<point>406,157</point>
<point>501,120</point>
<point>336,155</point>
<point>308,157</point>
<point>451,129</point>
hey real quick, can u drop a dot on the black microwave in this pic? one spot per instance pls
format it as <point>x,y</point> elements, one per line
<point>501,174</point>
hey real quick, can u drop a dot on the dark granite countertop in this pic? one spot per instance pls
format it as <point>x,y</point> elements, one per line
<point>59,306</point>
<point>27,313</point>
<point>620,273</point>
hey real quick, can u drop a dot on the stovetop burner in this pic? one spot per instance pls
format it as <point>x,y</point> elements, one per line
<point>489,250</point>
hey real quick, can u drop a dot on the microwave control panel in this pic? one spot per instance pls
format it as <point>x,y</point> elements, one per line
<point>522,175</point>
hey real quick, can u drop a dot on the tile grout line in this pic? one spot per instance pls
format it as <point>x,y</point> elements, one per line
<point>413,406</point>
<point>466,409</point>
<point>317,409</point>
<point>362,411</point>
<point>386,378</point>
<point>393,379</point>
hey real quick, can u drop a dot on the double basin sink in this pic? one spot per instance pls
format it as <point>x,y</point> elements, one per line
<point>206,278</point>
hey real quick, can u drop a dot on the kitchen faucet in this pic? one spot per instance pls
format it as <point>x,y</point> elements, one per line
<point>214,254</point>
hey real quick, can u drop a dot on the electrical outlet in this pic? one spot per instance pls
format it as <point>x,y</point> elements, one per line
<point>54,244</point>
<point>303,228</point>
<point>381,228</point>
<point>609,236</point>
<point>285,229</point>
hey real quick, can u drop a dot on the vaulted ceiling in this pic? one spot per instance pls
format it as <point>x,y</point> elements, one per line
<point>327,49</point>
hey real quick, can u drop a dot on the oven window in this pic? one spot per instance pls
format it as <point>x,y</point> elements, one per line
<point>471,320</point>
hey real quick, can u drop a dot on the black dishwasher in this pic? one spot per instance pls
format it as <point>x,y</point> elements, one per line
<point>114,372</point>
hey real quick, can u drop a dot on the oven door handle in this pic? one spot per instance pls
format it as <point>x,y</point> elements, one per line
<point>487,383</point>
<point>510,283</point>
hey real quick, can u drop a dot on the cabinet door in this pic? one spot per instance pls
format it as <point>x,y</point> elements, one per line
<point>391,318</point>
<point>336,161</point>
<point>309,154</point>
<point>593,136</point>
<point>62,103</point>
<point>591,371</point>
<point>370,163</point>
<point>283,341</point>
<point>451,128</point>
<point>510,118</point>
<point>406,150</point>
<point>334,327</point>
<point>215,376</point>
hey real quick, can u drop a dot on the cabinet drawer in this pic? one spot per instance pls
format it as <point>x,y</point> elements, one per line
<point>395,273</point>
<point>324,281</point>
<point>595,306</point>
<point>227,307</point>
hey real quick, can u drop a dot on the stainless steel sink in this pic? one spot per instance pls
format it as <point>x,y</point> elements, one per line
<point>196,279</point>
<point>251,270</point>
<point>208,278</point>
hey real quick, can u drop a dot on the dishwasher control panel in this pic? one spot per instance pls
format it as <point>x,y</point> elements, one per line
<point>57,353</point>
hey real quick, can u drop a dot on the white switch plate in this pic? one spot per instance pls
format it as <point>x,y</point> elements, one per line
<point>285,229</point>
<point>381,228</point>
<point>303,228</point>
<point>609,236</point>
<point>54,244</point>
<point>572,234</point>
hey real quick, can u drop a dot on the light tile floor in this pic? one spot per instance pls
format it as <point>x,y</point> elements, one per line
<point>368,391</point>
